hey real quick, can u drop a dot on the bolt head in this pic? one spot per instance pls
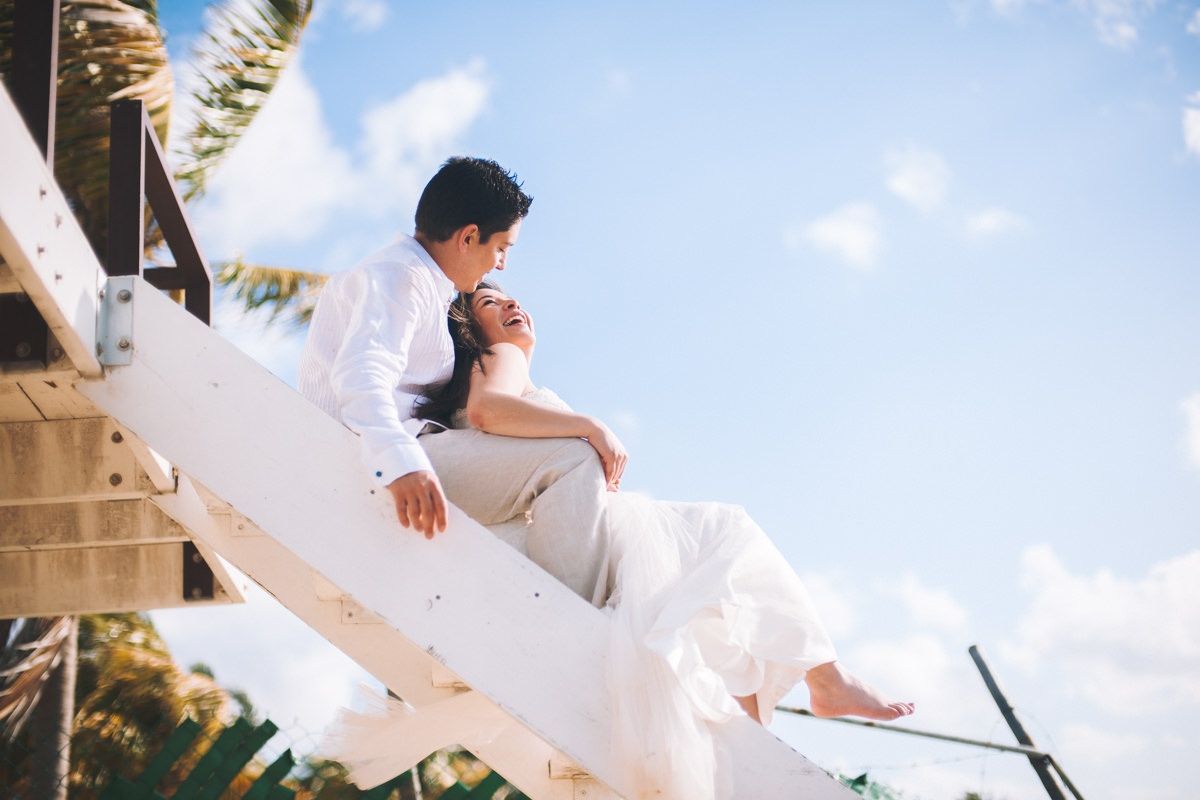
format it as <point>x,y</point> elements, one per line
<point>123,344</point>
<point>124,295</point>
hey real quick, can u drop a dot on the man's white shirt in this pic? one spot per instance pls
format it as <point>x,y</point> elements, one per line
<point>377,339</point>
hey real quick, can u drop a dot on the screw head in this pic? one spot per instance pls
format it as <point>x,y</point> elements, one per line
<point>115,479</point>
<point>117,437</point>
<point>123,344</point>
<point>124,295</point>
<point>23,349</point>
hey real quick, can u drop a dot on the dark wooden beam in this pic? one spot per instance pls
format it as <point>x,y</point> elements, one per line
<point>34,84</point>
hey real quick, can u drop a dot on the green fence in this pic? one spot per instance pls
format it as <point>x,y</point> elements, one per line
<point>212,762</point>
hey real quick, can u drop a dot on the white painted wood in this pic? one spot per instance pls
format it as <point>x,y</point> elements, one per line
<point>45,250</point>
<point>464,598</point>
<point>158,470</point>
<point>521,756</point>
<point>57,461</point>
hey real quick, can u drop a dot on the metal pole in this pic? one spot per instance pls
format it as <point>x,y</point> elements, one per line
<point>1042,764</point>
<point>35,69</point>
<point>1007,748</point>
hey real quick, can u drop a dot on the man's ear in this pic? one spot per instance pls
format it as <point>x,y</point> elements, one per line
<point>465,236</point>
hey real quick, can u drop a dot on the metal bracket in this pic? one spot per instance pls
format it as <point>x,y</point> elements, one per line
<point>114,328</point>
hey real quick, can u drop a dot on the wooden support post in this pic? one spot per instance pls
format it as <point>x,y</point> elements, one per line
<point>35,69</point>
<point>1041,763</point>
<point>126,182</point>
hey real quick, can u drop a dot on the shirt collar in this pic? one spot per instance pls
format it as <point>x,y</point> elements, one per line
<point>444,285</point>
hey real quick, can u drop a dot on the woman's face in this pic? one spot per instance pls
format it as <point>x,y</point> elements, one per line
<point>501,319</point>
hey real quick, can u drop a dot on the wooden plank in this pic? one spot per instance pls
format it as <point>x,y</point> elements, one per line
<point>56,398</point>
<point>57,461</point>
<point>493,617</point>
<point>60,526</point>
<point>15,406</point>
<point>8,281</point>
<point>46,583</point>
<point>42,244</point>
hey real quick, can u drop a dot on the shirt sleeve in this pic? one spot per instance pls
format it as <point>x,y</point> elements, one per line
<point>385,308</point>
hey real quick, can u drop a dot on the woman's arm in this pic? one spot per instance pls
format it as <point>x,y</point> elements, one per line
<point>495,405</point>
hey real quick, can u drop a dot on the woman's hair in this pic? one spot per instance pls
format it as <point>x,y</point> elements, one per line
<point>439,404</point>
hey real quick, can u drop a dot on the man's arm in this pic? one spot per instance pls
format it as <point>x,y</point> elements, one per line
<point>386,309</point>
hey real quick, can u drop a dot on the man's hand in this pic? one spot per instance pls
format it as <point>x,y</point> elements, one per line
<point>612,454</point>
<point>420,502</point>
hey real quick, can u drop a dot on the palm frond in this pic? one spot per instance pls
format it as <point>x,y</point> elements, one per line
<point>241,57</point>
<point>108,50</point>
<point>290,294</point>
<point>25,666</point>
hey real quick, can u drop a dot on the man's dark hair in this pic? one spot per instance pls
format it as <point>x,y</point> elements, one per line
<point>470,191</point>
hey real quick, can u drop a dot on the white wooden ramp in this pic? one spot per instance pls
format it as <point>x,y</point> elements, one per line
<point>277,488</point>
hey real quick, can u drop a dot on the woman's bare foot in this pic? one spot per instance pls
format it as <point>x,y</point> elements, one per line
<point>834,692</point>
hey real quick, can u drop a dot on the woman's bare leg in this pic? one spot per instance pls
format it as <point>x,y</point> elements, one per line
<point>750,706</point>
<point>834,692</point>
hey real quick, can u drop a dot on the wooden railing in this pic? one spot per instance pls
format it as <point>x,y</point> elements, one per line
<point>138,169</point>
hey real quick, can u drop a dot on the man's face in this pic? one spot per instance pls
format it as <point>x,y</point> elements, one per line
<point>483,257</point>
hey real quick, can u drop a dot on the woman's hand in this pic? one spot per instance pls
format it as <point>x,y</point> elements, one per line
<point>612,453</point>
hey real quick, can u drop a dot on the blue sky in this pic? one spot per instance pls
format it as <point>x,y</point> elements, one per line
<point>915,283</point>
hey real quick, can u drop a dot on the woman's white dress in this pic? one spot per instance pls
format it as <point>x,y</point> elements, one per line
<point>705,609</point>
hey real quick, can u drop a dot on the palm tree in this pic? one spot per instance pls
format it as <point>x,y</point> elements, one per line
<point>112,50</point>
<point>115,49</point>
<point>130,695</point>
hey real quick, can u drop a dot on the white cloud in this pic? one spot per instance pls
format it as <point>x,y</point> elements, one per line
<point>1083,743</point>
<point>364,15</point>
<point>1131,646</point>
<point>929,607</point>
<point>1116,21</point>
<point>288,177</point>
<point>284,178</point>
<point>408,136</point>
<point>852,233</point>
<point>1191,129</point>
<point>917,176</point>
<point>1191,414</point>
<point>1008,7</point>
<point>994,221</point>
<point>1193,27</point>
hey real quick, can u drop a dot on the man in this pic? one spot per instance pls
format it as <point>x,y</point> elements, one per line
<point>378,336</point>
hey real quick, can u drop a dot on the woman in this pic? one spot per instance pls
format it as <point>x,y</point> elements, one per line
<point>705,610</point>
